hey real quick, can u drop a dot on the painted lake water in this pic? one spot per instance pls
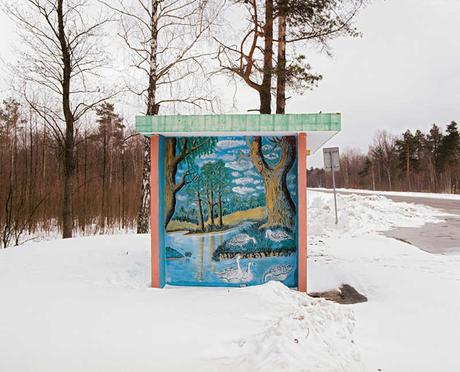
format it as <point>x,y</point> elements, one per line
<point>199,268</point>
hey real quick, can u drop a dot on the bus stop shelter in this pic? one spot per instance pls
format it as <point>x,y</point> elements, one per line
<point>229,196</point>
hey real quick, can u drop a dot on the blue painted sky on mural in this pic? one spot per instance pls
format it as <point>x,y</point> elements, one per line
<point>246,181</point>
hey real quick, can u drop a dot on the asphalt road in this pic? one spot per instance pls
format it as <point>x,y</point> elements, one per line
<point>437,238</point>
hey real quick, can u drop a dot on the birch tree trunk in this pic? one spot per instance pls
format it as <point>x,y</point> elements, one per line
<point>143,219</point>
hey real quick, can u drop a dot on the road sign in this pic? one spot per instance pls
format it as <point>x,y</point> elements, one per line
<point>331,159</point>
<point>332,164</point>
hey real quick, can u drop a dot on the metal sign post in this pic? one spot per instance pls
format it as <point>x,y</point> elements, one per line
<point>332,164</point>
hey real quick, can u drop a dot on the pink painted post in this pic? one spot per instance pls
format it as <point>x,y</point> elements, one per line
<point>302,210</point>
<point>154,211</point>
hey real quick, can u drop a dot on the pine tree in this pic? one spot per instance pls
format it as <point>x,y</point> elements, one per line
<point>366,169</point>
<point>450,155</point>
<point>419,156</point>
<point>409,151</point>
<point>110,126</point>
<point>433,148</point>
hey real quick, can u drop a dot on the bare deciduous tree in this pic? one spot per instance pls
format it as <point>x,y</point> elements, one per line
<point>165,39</point>
<point>108,169</point>
<point>60,63</point>
<point>384,150</point>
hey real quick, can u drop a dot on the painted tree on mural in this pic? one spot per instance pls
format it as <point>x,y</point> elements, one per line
<point>279,204</point>
<point>182,150</point>
<point>210,176</point>
<point>217,187</point>
<point>195,191</point>
<point>224,181</point>
<point>208,188</point>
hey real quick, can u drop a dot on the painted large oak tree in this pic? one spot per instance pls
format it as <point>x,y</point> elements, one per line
<point>279,205</point>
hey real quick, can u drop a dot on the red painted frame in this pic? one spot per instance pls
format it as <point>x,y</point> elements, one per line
<point>302,210</point>
<point>154,211</point>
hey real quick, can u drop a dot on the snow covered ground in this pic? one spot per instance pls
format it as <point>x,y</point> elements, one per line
<point>426,195</point>
<point>412,319</point>
<point>84,305</point>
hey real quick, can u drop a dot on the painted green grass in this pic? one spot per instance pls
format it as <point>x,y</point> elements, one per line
<point>231,220</point>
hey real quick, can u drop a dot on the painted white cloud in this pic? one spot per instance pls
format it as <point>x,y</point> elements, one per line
<point>251,173</point>
<point>181,197</point>
<point>239,165</point>
<point>236,174</point>
<point>242,190</point>
<point>260,187</point>
<point>229,144</point>
<point>267,148</point>
<point>271,156</point>
<point>208,156</point>
<point>227,157</point>
<point>244,180</point>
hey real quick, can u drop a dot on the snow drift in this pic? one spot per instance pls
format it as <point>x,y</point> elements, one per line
<point>363,214</point>
<point>84,305</point>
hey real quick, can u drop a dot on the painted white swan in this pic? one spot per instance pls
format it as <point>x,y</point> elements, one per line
<point>278,272</point>
<point>241,239</point>
<point>247,275</point>
<point>236,275</point>
<point>231,272</point>
<point>277,236</point>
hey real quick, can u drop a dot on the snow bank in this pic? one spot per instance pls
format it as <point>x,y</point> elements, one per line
<point>84,304</point>
<point>411,321</point>
<point>307,335</point>
<point>425,195</point>
<point>360,214</point>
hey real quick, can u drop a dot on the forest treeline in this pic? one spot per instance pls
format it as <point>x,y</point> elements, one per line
<point>412,161</point>
<point>69,163</point>
<point>109,162</point>
<point>108,172</point>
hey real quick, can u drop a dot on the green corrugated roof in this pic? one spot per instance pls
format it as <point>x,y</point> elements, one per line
<point>241,123</point>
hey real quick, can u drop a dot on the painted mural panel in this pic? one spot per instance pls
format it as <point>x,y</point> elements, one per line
<point>230,214</point>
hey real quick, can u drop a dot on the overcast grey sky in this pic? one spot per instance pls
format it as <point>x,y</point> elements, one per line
<point>403,73</point>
